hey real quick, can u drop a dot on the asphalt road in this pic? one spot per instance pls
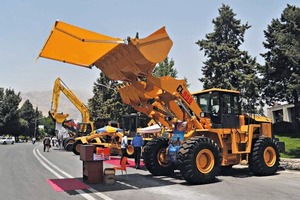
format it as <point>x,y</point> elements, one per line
<point>26,171</point>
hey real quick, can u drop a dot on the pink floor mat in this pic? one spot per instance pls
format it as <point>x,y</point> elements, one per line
<point>116,162</point>
<point>60,185</point>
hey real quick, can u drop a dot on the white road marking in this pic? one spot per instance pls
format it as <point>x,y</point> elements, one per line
<point>81,192</point>
<point>128,185</point>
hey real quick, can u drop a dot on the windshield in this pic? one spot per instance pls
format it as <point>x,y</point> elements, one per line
<point>203,101</point>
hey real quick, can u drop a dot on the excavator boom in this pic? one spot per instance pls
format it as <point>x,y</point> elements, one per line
<point>58,87</point>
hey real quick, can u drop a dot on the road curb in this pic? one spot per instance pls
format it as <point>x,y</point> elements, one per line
<point>290,163</point>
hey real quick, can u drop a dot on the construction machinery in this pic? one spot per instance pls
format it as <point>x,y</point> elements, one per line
<point>132,124</point>
<point>74,129</point>
<point>208,130</point>
<point>83,132</point>
<point>109,137</point>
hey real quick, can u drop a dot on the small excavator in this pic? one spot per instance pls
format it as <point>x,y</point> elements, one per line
<point>74,129</point>
<point>83,132</point>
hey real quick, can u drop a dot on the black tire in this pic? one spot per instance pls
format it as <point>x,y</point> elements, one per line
<point>76,147</point>
<point>155,157</point>
<point>68,141</point>
<point>69,147</point>
<point>199,160</point>
<point>264,157</point>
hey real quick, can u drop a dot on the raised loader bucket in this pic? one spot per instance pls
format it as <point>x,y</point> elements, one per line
<point>74,45</point>
<point>137,58</point>
<point>118,59</point>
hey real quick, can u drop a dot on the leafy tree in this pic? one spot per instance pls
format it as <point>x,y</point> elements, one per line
<point>106,102</point>
<point>27,114</point>
<point>49,126</point>
<point>9,113</point>
<point>281,72</point>
<point>227,66</point>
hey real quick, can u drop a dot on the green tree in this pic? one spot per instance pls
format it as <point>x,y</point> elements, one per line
<point>106,103</point>
<point>27,114</point>
<point>165,68</point>
<point>49,126</point>
<point>227,66</point>
<point>9,113</point>
<point>1,108</point>
<point>281,72</point>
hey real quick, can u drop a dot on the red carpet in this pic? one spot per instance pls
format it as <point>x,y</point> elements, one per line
<point>116,162</point>
<point>60,185</point>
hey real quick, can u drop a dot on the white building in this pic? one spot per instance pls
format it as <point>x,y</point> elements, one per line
<point>280,113</point>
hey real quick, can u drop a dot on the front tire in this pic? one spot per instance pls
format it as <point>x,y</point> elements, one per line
<point>199,160</point>
<point>156,158</point>
<point>67,142</point>
<point>76,147</point>
<point>264,158</point>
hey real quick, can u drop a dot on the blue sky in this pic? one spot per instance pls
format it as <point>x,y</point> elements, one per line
<point>26,24</point>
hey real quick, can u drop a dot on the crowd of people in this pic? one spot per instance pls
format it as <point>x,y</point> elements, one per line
<point>49,142</point>
<point>137,143</point>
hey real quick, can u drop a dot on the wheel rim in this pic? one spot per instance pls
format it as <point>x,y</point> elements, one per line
<point>78,147</point>
<point>269,156</point>
<point>70,142</point>
<point>162,158</point>
<point>205,161</point>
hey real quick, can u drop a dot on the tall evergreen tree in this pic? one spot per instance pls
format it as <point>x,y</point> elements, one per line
<point>227,66</point>
<point>165,68</point>
<point>1,108</point>
<point>281,72</point>
<point>27,114</point>
<point>106,102</point>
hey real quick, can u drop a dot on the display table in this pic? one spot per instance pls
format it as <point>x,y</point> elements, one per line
<point>92,170</point>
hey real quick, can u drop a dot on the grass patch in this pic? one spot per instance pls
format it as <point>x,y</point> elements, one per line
<point>292,146</point>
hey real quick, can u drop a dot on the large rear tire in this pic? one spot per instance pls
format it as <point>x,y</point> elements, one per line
<point>156,158</point>
<point>264,158</point>
<point>76,147</point>
<point>199,160</point>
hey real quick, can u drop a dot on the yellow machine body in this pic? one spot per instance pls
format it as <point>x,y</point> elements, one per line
<point>168,101</point>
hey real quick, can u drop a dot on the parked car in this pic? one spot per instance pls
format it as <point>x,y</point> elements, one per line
<point>7,140</point>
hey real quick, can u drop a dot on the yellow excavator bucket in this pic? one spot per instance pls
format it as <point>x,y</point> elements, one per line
<point>118,59</point>
<point>74,45</point>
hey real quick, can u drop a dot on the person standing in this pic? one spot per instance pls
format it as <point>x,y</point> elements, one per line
<point>33,140</point>
<point>47,143</point>
<point>124,144</point>
<point>137,142</point>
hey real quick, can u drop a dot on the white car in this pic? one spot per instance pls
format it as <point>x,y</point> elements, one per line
<point>7,140</point>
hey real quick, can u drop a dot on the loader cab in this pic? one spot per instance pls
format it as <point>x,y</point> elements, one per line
<point>84,129</point>
<point>221,106</point>
<point>133,121</point>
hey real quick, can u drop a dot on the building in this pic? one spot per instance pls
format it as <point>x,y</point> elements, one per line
<point>280,113</point>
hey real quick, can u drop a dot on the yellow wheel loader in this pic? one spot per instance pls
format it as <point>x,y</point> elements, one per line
<point>207,129</point>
